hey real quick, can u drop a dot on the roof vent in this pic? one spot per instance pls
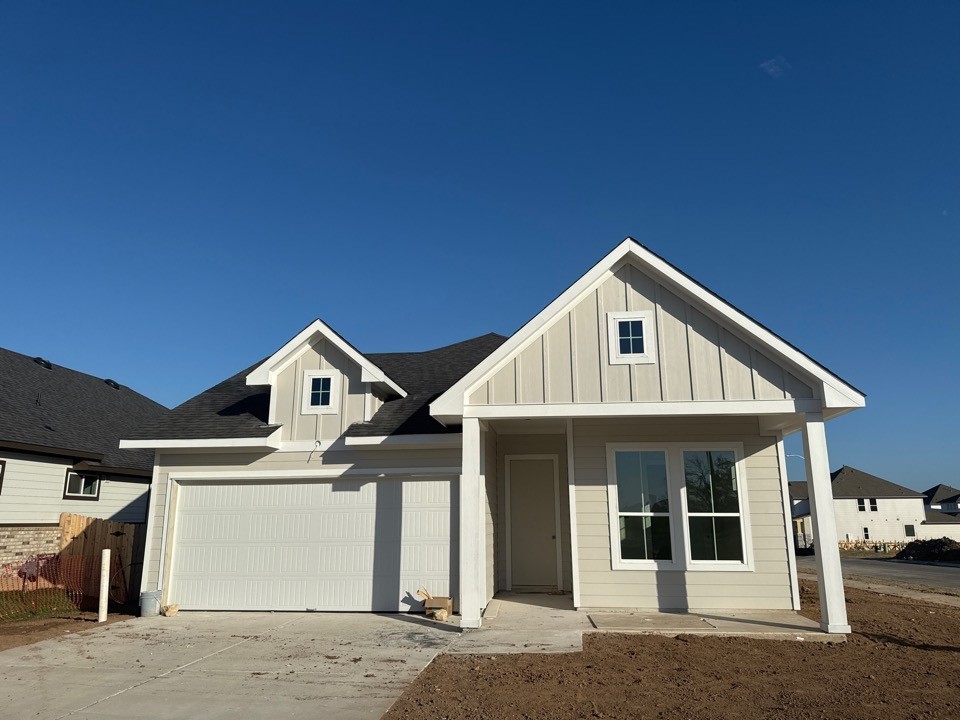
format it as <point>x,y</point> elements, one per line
<point>112,383</point>
<point>43,363</point>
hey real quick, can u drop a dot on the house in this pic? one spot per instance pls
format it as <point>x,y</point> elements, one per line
<point>59,452</point>
<point>943,498</point>
<point>623,446</point>
<point>870,509</point>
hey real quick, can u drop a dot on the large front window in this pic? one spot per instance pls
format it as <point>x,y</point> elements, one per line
<point>643,505</point>
<point>713,505</point>
<point>677,506</point>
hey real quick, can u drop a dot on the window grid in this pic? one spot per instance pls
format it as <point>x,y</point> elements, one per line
<point>320,392</point>
<point>630,337</point>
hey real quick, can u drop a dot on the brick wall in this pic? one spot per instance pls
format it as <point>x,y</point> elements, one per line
<point>19,541</point>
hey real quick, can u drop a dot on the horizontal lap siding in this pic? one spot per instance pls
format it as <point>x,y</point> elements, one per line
<point>767,586</point>
<point>171,463</point>
<point>33,486</point>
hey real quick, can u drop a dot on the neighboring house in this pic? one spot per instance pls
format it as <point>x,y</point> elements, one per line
<point>59,452</point>
<point>624,446</point>
<point>872,510</point>
<point>943,498</point>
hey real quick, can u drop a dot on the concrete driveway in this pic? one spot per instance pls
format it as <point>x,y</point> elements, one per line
<point>223,665</point>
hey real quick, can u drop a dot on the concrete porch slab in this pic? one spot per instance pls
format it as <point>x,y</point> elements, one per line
<point>768,624</point>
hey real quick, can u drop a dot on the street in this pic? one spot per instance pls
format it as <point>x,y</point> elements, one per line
<point>932,576</point>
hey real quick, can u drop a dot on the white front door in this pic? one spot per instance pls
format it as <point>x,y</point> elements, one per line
<point>311,545</point>
<point>533,527</point>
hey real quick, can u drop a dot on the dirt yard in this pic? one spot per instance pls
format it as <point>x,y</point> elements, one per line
<point>26,632</point>
<point>903,661</point>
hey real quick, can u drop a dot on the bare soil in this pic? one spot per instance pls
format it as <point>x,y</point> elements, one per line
<point>903,661</point>
<point>26,632</point>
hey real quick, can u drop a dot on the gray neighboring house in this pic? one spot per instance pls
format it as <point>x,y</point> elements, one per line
<point>870,509</point>
<point>59,452</point>
<point>624,447</point>
<point>943,499</point>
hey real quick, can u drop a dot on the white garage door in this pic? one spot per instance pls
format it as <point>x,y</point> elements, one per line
<point>318,545</point>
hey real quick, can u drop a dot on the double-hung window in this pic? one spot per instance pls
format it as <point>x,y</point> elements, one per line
<point>677,506</point>
<point>320,392</point>
<point>873,504</point>
<point>642,519</point>
<point>861,505</point>
<point>713,505</point>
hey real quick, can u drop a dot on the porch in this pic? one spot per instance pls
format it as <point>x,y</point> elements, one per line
<point>544,623</point>
<point>539,513</point>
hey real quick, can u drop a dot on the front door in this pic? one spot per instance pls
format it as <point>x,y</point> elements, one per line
<point>533,521</point>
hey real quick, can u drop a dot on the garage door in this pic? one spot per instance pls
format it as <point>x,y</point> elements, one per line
<point>322,545</point>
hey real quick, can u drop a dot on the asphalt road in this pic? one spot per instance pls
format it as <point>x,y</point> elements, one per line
<point>931,576</point>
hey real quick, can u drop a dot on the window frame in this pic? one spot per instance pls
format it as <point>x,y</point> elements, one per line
<point>866,534</point>
<point>861,504</point>
<point>649,354</point>
<point>679,515</point>
<point>913,530</point>
<point>305,391</point>
<point>873,505</point>
<point>77,496</point>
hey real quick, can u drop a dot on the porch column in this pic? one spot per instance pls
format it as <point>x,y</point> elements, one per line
<point>472,545</point>
<point>833,609</point>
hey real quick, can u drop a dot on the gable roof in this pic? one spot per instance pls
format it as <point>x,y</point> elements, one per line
<point>265,372</point>
<point>836,392</point>
<point>233,409</point>
<point>941,493</point>
<point>849,482</point>
<point>62,411</point>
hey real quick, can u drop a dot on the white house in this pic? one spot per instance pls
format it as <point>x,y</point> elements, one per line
<point>943,498</point>
<point>624,447</point>
<point>870,509</point>
<point>59,436</point>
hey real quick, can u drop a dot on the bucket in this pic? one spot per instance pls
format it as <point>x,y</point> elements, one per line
<point>150,603</point>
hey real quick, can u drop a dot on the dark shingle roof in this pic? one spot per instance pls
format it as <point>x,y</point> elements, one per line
<point>65,410</point>
<point>849,482</point>
<point>425,376</point>
<point>233,409</point>
<point>230,409</point>
<point>798,490</point>
<point>941,493</point>
<point>936,517</point>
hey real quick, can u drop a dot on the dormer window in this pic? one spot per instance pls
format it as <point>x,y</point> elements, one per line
<point>320,393</point>
<point>632,337</point>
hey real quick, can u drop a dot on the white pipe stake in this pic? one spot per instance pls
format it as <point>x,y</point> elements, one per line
<point>104,584</point>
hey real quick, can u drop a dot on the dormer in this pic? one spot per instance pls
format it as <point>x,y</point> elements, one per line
<point>320,385</point>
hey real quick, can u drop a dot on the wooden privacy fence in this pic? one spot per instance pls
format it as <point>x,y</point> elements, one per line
<point>86,537</point>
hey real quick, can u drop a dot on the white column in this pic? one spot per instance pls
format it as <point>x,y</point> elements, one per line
<point>833,609</point>
<point>472,546</point>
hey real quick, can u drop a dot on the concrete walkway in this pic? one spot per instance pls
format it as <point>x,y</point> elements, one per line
<point>223,665</point>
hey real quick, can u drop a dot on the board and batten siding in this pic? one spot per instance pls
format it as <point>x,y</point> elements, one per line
<point>32,493</point>
<point>697,357</point>
<point>171,463</point>
<point>289,389</point>
<point>767,586</point>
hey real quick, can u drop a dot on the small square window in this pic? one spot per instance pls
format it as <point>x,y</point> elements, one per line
<point>909,531</point>
<point>320,392</point>
<point>632,337</point>
<point>81,486</point>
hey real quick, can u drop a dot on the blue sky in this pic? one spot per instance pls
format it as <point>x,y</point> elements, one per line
<point>183,186</point>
